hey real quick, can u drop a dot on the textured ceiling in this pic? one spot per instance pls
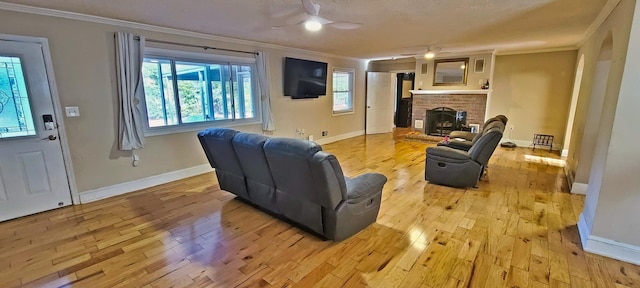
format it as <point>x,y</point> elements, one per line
<point>390,27</point>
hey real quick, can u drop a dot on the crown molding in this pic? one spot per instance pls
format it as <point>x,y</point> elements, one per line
<point>604,14</point>
<point>153,28</point>
<point>532,51</point>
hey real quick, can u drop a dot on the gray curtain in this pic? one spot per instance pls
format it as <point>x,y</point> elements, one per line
<point>262,62</point>
<point>129,56</point>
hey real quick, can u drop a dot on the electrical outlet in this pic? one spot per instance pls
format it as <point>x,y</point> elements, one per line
<point>325,133</point>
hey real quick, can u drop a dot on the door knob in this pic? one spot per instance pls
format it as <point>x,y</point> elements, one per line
<point>50,138</point>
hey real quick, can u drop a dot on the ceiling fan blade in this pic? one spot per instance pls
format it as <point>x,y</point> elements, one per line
<point>344,25</point>
<point>310,7</point>
<point>320,20</point>
<point>287,25</point>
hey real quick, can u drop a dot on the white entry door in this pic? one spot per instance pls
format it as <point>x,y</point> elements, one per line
<point>380,100</point>
<point>32,171</point>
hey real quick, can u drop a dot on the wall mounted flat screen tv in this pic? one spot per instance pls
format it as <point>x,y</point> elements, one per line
<point>304,78</point>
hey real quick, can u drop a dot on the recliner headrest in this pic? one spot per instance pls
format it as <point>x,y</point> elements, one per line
<point>250,139</point>
<point>296,147</point>
<point>493,126</point>
<point>222,133</point>
<point>502,118</point>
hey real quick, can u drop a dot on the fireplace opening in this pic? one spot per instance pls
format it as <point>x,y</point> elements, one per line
<point>442,120</point>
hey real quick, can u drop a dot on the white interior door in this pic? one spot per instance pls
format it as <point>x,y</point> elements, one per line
<point>32,171</point>
<point>380,101</point>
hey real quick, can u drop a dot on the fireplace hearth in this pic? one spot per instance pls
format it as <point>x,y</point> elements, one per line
<point>442,120</point>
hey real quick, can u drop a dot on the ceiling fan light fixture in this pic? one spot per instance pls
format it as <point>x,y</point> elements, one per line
<point>429,55</point>
<point>312,25</point>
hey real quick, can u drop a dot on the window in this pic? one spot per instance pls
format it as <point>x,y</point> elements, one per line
<point>188,91</point>
<point>342,90</point>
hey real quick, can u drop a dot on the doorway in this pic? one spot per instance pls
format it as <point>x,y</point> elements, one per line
<point>33,170</point>
<point>380,100</point>
<point>404,98</point>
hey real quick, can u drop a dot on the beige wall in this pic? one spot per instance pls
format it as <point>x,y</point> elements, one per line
<point>534,92</point>
<point>403,64</point>
<point>425,81</point>
<point>83,58</point>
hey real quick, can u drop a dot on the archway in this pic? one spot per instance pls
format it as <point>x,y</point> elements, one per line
<point>595,114</point>
<point>572,108</point>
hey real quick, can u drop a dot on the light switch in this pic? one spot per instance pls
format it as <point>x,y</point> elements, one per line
<point>72,111</point>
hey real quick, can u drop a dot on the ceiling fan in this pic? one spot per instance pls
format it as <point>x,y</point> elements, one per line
<point>428,52</point>
<point>313,22</point>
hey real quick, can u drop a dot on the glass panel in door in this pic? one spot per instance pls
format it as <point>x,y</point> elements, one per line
<point>15,111</point>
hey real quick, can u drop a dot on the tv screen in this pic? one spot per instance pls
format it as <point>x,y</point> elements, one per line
<point>304,78</point>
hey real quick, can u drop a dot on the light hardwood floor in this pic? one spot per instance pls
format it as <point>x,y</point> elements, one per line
<point>517,229</point>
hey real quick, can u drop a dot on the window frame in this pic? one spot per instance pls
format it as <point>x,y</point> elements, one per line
<point>352,80</point>
<point>203,58</point>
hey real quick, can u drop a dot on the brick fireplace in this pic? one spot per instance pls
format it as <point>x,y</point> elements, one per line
<point>474,104</point>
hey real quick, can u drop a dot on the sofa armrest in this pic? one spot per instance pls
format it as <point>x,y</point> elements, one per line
<point>446,152</point>
<point>364,186</point>
<point>462,134</point>
<point>457,144</point>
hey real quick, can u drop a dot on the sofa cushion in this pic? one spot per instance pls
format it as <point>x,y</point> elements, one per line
<point>218,147</point>
<point>297,168</point>
<point>250,152</point>
<point>447,152</point>
<point>218,140</point>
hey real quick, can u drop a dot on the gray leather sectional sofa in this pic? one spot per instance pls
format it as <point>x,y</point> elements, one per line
<point>295,180</point>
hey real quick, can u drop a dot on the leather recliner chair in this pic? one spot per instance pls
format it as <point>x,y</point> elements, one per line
<point>459,168</point>
<point>468,138</point>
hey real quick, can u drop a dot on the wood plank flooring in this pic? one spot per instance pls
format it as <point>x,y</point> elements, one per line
<point>517,229</point>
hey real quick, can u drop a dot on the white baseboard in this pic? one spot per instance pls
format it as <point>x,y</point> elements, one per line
<point>528,144</point>
<point>565,153</point>
<point>607,247</point>
<point>569,176</point>
<point>583,230</point>
<point>135,185</point>
<point>339,137</point>
<point>579,188</point>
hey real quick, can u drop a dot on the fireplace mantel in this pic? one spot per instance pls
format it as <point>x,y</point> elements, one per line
<point>445,92</point>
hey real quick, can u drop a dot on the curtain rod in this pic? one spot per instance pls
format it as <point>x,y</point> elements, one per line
<point>197,46</point>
